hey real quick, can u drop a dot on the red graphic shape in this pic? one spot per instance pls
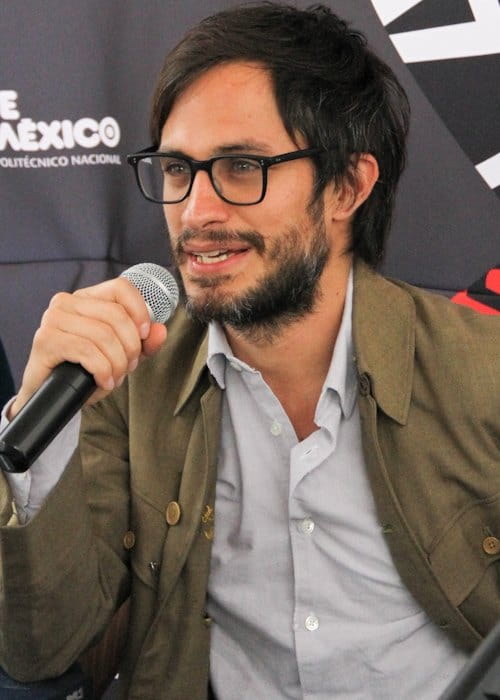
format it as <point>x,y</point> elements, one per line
<point>464,299</point>
<point>492,281</point>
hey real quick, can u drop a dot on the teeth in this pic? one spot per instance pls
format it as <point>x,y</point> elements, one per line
<point>213,256</point>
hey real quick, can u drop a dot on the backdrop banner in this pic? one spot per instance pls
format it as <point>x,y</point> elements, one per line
<point>76,81</point>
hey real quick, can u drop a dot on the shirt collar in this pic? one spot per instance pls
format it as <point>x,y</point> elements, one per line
<point>341,376</point>
<point>220,353</point>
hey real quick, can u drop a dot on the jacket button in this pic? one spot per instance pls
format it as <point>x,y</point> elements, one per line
<point>491,545</point>
<point>128,539</point>
<point>173,513</point>
<point>364,385</point>
<point>207,620</point>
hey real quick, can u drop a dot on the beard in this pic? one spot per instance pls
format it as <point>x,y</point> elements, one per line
<point>282,295</point>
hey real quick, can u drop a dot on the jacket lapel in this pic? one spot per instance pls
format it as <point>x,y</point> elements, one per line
<point>197,487</point>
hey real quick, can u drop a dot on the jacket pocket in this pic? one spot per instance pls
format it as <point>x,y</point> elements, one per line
<point>465,560</point>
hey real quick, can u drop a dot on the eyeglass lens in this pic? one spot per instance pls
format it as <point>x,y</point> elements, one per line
<point>167,178</point>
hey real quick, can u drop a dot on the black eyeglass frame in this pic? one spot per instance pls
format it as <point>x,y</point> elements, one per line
<point>196,166</point>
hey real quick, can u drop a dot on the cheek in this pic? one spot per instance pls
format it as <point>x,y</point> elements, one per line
<point>172,214</point>
<point>288,202</point>
<point>173,222</point>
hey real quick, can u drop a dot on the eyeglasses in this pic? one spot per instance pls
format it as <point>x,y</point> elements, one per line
<point>167,178</point>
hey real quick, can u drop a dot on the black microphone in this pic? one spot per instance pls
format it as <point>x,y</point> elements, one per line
<point>70,385</point>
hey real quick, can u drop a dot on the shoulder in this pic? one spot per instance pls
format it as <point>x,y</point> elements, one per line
<point>457,350</point>
<point>399,328</point>
<point>433,314</point>
<point>447,322</point>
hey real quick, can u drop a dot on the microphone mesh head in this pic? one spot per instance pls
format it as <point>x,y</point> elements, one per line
<point>158,288</point>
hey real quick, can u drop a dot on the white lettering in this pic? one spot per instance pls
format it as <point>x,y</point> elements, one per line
<point>26,131</point>
<point>8,137</point>
<point>109,131</point>
<point>67,133</point>
<point>27,162</point>
<point>41,136</point>
<point>8,105</point>
<point>50,135</point>
<point>86,125</point>
<point>30,136</point>
<point>96,159</point>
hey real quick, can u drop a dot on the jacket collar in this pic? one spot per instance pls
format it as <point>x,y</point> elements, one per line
<point>384,339</point>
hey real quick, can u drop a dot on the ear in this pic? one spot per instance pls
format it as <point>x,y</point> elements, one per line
<point>356,188</point>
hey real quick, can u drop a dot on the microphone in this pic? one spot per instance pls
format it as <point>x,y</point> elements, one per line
<point>69,385</point>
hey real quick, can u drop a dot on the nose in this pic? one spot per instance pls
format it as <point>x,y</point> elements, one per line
<point>204,208</point>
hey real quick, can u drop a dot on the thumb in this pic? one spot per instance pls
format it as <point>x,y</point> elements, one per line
<point>155,339</point>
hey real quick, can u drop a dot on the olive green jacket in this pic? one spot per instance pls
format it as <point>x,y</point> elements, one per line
<point>429,398</point>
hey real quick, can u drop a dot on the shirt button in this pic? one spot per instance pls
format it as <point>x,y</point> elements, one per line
<point>306,526</point>
<point>275,428</point>
<point>312,623</point>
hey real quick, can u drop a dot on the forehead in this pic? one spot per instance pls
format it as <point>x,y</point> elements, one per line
<point>229,104</point>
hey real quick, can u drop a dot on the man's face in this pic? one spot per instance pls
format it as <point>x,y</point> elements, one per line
<point>244,265</point>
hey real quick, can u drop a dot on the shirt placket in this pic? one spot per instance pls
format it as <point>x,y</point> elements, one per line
<point>311,454</point>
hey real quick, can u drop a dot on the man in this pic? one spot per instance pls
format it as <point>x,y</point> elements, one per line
<point>302,500</point>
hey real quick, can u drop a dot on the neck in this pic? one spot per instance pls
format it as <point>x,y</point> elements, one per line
<point>301,350</point>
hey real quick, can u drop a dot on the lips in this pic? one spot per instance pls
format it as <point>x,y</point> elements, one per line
<point>216,253</point>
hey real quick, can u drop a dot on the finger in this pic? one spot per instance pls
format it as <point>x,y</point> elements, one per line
<point>120,347</point>
<point>123,293</point>
<point>52,346</point>
<point>49,349</point>
<point>72,313</point>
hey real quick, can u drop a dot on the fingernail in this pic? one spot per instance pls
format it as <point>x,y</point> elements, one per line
<point>133,364</point>
<point>109,384</point>
<point>144,330</point>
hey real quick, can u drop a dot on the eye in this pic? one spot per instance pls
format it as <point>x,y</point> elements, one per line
<point>173,167</point>
<point>243,166</point>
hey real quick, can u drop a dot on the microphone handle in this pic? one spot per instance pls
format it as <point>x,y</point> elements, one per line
<point>50,408</point>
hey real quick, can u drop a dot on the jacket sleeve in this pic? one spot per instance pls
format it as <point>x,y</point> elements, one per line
<point>64,573</point>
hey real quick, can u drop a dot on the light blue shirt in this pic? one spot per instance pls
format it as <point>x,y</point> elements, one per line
<point>304,596</point>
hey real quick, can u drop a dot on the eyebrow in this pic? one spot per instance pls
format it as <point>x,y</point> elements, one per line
<point>257,147</point>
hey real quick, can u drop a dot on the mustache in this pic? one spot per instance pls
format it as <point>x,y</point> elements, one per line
<point>253,238</point>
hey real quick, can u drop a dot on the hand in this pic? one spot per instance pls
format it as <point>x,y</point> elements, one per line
<point>106,328</point>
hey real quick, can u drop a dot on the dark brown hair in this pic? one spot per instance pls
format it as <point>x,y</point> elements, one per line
<point>328,85</point>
